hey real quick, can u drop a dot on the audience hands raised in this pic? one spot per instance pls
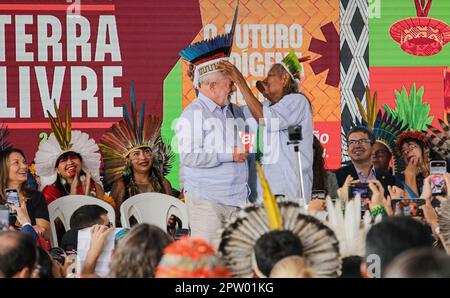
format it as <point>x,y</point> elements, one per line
<point>343,191</point>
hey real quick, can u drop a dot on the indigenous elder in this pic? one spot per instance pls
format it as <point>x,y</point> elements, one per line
<point>285,107</point>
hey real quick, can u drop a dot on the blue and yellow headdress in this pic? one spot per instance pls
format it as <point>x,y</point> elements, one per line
<point>206,54</point>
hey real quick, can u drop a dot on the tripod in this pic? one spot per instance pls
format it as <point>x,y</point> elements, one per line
<point>295,136</point>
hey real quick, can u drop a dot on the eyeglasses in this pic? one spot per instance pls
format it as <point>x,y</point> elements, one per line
<point>360,141</point>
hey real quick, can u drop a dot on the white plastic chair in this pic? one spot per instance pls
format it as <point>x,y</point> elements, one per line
<point>64,207</point>
<point>153,208</point>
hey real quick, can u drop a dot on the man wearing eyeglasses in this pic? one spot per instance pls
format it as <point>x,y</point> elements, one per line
<point>361,142</point>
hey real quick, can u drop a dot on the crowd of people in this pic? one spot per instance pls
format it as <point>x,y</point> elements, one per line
<point>254,210</point>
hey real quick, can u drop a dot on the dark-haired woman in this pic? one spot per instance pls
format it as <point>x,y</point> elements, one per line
<point>71,179</point>
<point>416,157</point>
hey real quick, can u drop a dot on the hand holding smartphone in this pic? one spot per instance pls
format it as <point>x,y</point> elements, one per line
<point>363,190</point>
<point>408,207</point>
<point>4,217</point>
<point>437,180</point>
<point>12,199</point>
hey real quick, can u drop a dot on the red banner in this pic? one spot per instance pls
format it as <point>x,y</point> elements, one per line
<point>84,55</point>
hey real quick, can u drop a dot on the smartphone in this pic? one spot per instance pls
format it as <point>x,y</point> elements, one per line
<point>363,190</point>
<point>318,195</point>
<point>437,171</point>
<point>408,207</point>
<point>4,217</point>
<point>12,198</point>
<point>180,233</point>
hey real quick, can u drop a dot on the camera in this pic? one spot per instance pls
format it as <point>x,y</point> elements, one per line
<point>295,133</point>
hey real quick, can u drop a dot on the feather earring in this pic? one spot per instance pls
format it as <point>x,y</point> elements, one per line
<point>127,169</point>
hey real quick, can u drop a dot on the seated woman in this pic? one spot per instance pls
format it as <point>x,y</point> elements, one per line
<point>68,162</point>
<point>135,157</point>
<point>413,114</point>
<point>141,176</point>
<point>13,176</point>
<point>416,156</point>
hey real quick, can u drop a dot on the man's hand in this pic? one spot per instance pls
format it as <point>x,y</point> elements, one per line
<point>343,191</point>
<point>99,234</point>
<point>239,155</point>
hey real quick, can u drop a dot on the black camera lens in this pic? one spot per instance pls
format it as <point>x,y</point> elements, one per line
<point>295,133</point>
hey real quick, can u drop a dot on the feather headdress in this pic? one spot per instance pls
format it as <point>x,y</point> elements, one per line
<point>135,131</point>
<point>4,143</point>
<point>412,112</point>
<point>320,246</point>
<point>293,64</point>
<point>348,227</point>
<point>444,223</point>
<point>206,54</point>
<point>63,139</point>
<point>440,140</point>
<point>386,128</point>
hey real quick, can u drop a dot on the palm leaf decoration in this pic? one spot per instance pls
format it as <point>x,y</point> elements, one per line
<point>410,109</point>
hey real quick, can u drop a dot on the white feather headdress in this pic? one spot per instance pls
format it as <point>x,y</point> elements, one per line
<point>444,224</point>
<point>63,140</point>
<point>347,226</point>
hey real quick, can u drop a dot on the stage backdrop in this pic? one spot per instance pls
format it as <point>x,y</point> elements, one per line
<point>266,31</point>
<point>84,54</point>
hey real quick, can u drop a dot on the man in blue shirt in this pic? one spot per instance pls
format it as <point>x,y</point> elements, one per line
<point>213,158</point>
